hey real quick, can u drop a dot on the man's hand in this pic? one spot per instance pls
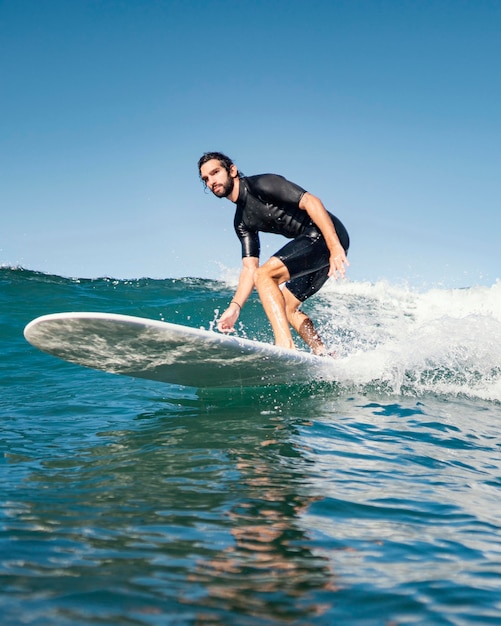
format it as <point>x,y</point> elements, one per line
<point>226,323</point>
<point>338,262</point>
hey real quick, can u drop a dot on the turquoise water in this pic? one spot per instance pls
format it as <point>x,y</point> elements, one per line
<point>376,500</point>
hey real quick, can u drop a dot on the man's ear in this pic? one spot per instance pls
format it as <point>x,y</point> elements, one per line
<point>233,171</point>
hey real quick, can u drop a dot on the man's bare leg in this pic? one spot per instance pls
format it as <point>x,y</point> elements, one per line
<point>267,279</point>
<point>302,324</point>
<point>282,308</point>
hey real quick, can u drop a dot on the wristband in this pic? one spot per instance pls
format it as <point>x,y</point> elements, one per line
<point>235,302</point>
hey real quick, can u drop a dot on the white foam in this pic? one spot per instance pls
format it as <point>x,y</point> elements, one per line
<point>441,340</point>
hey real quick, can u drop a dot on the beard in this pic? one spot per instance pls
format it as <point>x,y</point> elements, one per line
<point>225,190</point>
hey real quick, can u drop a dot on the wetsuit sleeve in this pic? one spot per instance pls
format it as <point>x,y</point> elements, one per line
<point>249,239</point>
<point>276,189</point>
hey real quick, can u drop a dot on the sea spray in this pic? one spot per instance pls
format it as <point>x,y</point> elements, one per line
<point>443,341</point>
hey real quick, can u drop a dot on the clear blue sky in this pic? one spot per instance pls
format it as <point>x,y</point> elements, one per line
<point>388,110</point>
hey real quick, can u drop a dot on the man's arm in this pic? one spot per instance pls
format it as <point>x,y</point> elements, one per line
<point>227,320</point>
<point>316,210</point>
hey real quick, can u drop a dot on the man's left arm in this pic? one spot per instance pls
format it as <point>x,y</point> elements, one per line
<point>318,213</point>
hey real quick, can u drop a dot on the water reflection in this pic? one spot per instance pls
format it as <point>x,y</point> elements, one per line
<point>269,570</point>
<point>193,511</point>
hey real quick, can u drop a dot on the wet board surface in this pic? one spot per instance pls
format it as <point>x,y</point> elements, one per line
<point>171,353</point>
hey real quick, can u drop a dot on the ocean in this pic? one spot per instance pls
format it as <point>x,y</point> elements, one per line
<point>375,499</point>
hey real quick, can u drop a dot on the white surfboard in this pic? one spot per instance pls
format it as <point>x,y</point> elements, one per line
<point>155,350</point>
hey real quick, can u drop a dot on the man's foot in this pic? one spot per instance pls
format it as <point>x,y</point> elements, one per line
<point>288,345</point>
<point>332,354</point>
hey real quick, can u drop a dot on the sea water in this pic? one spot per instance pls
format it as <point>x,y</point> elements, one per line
<point>375,499</point>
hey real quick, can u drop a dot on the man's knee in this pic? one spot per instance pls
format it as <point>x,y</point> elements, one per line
<point>273,269</point>
<point>259,276</point>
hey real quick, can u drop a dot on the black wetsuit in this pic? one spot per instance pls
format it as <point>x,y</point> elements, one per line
<point>269,203</point>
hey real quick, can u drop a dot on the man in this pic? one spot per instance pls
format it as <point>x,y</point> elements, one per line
<point>270,203</point>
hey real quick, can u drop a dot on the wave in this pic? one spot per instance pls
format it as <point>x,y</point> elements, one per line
<point>389,338</point>
<point>444,341</point>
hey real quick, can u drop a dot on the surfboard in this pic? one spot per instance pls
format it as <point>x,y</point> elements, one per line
<point>171,353</point>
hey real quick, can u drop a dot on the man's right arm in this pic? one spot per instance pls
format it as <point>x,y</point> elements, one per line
<point>228,319</point>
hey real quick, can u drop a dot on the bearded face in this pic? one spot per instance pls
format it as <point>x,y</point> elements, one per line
<point>223,189</point>
<point>217,178</point>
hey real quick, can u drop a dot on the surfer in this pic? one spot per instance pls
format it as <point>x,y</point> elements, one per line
<point>317,250</point>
